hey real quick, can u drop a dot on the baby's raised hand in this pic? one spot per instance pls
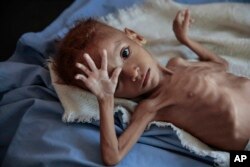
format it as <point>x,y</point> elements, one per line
<point>181,24</point>
<point>97,80</point>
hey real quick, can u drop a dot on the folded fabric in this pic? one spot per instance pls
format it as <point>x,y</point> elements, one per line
<point>224,28</point>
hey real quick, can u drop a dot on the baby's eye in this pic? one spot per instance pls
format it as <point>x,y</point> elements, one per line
<point>125,53</point>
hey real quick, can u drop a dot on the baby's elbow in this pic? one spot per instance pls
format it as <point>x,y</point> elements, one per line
<point>225,64</point>
<point>111,160</point>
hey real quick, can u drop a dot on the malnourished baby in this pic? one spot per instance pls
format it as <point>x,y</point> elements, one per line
<point>201,97</point>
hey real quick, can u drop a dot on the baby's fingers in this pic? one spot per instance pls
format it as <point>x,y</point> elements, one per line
<point>83,68</point>
<point>85,80</point>
<point>178,19</point>
<point>186,18</point>
<point>90,62</point>
<point>104,65</point>
<point>115,75</point>
<point>81,77</point>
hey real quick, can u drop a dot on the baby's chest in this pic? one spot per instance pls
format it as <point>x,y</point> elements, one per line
<point>195,105</point>
<point>198,91</point>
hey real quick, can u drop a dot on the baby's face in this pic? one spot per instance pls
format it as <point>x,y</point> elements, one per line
<point>140,72</point>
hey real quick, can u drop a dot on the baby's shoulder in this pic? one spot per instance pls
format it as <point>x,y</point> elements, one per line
<point>177,61</point>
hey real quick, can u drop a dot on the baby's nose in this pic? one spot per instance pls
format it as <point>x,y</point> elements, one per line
<point>135,75</point>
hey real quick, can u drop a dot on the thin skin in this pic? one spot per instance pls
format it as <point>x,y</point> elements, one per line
<point>200,97</point>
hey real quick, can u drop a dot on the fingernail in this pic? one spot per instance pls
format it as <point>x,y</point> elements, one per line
<point>78,65</point>
<point>85,54</point>
<point>77,77</point>
<point>105,51</point>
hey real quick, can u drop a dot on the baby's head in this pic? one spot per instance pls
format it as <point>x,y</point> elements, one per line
<point>140,72</point>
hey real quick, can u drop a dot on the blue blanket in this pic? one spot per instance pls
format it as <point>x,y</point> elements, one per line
<point>31,130</point>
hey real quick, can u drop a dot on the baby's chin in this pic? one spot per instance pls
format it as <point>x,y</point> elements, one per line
<point>141,97</point>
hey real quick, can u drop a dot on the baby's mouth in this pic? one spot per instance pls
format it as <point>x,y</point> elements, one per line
<point>146,78</point>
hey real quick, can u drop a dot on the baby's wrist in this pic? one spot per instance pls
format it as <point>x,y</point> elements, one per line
<point>106,104</point>
<point>185,41</point>
<point>105,98</point>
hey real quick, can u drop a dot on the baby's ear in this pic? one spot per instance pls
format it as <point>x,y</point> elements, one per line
<point>135,37</point>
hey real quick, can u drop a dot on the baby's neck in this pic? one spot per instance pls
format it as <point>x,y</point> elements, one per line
<point>166,75</point>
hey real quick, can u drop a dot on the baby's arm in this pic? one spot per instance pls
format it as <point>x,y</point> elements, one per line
<point>180,27</point>
<point>113,149</point>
